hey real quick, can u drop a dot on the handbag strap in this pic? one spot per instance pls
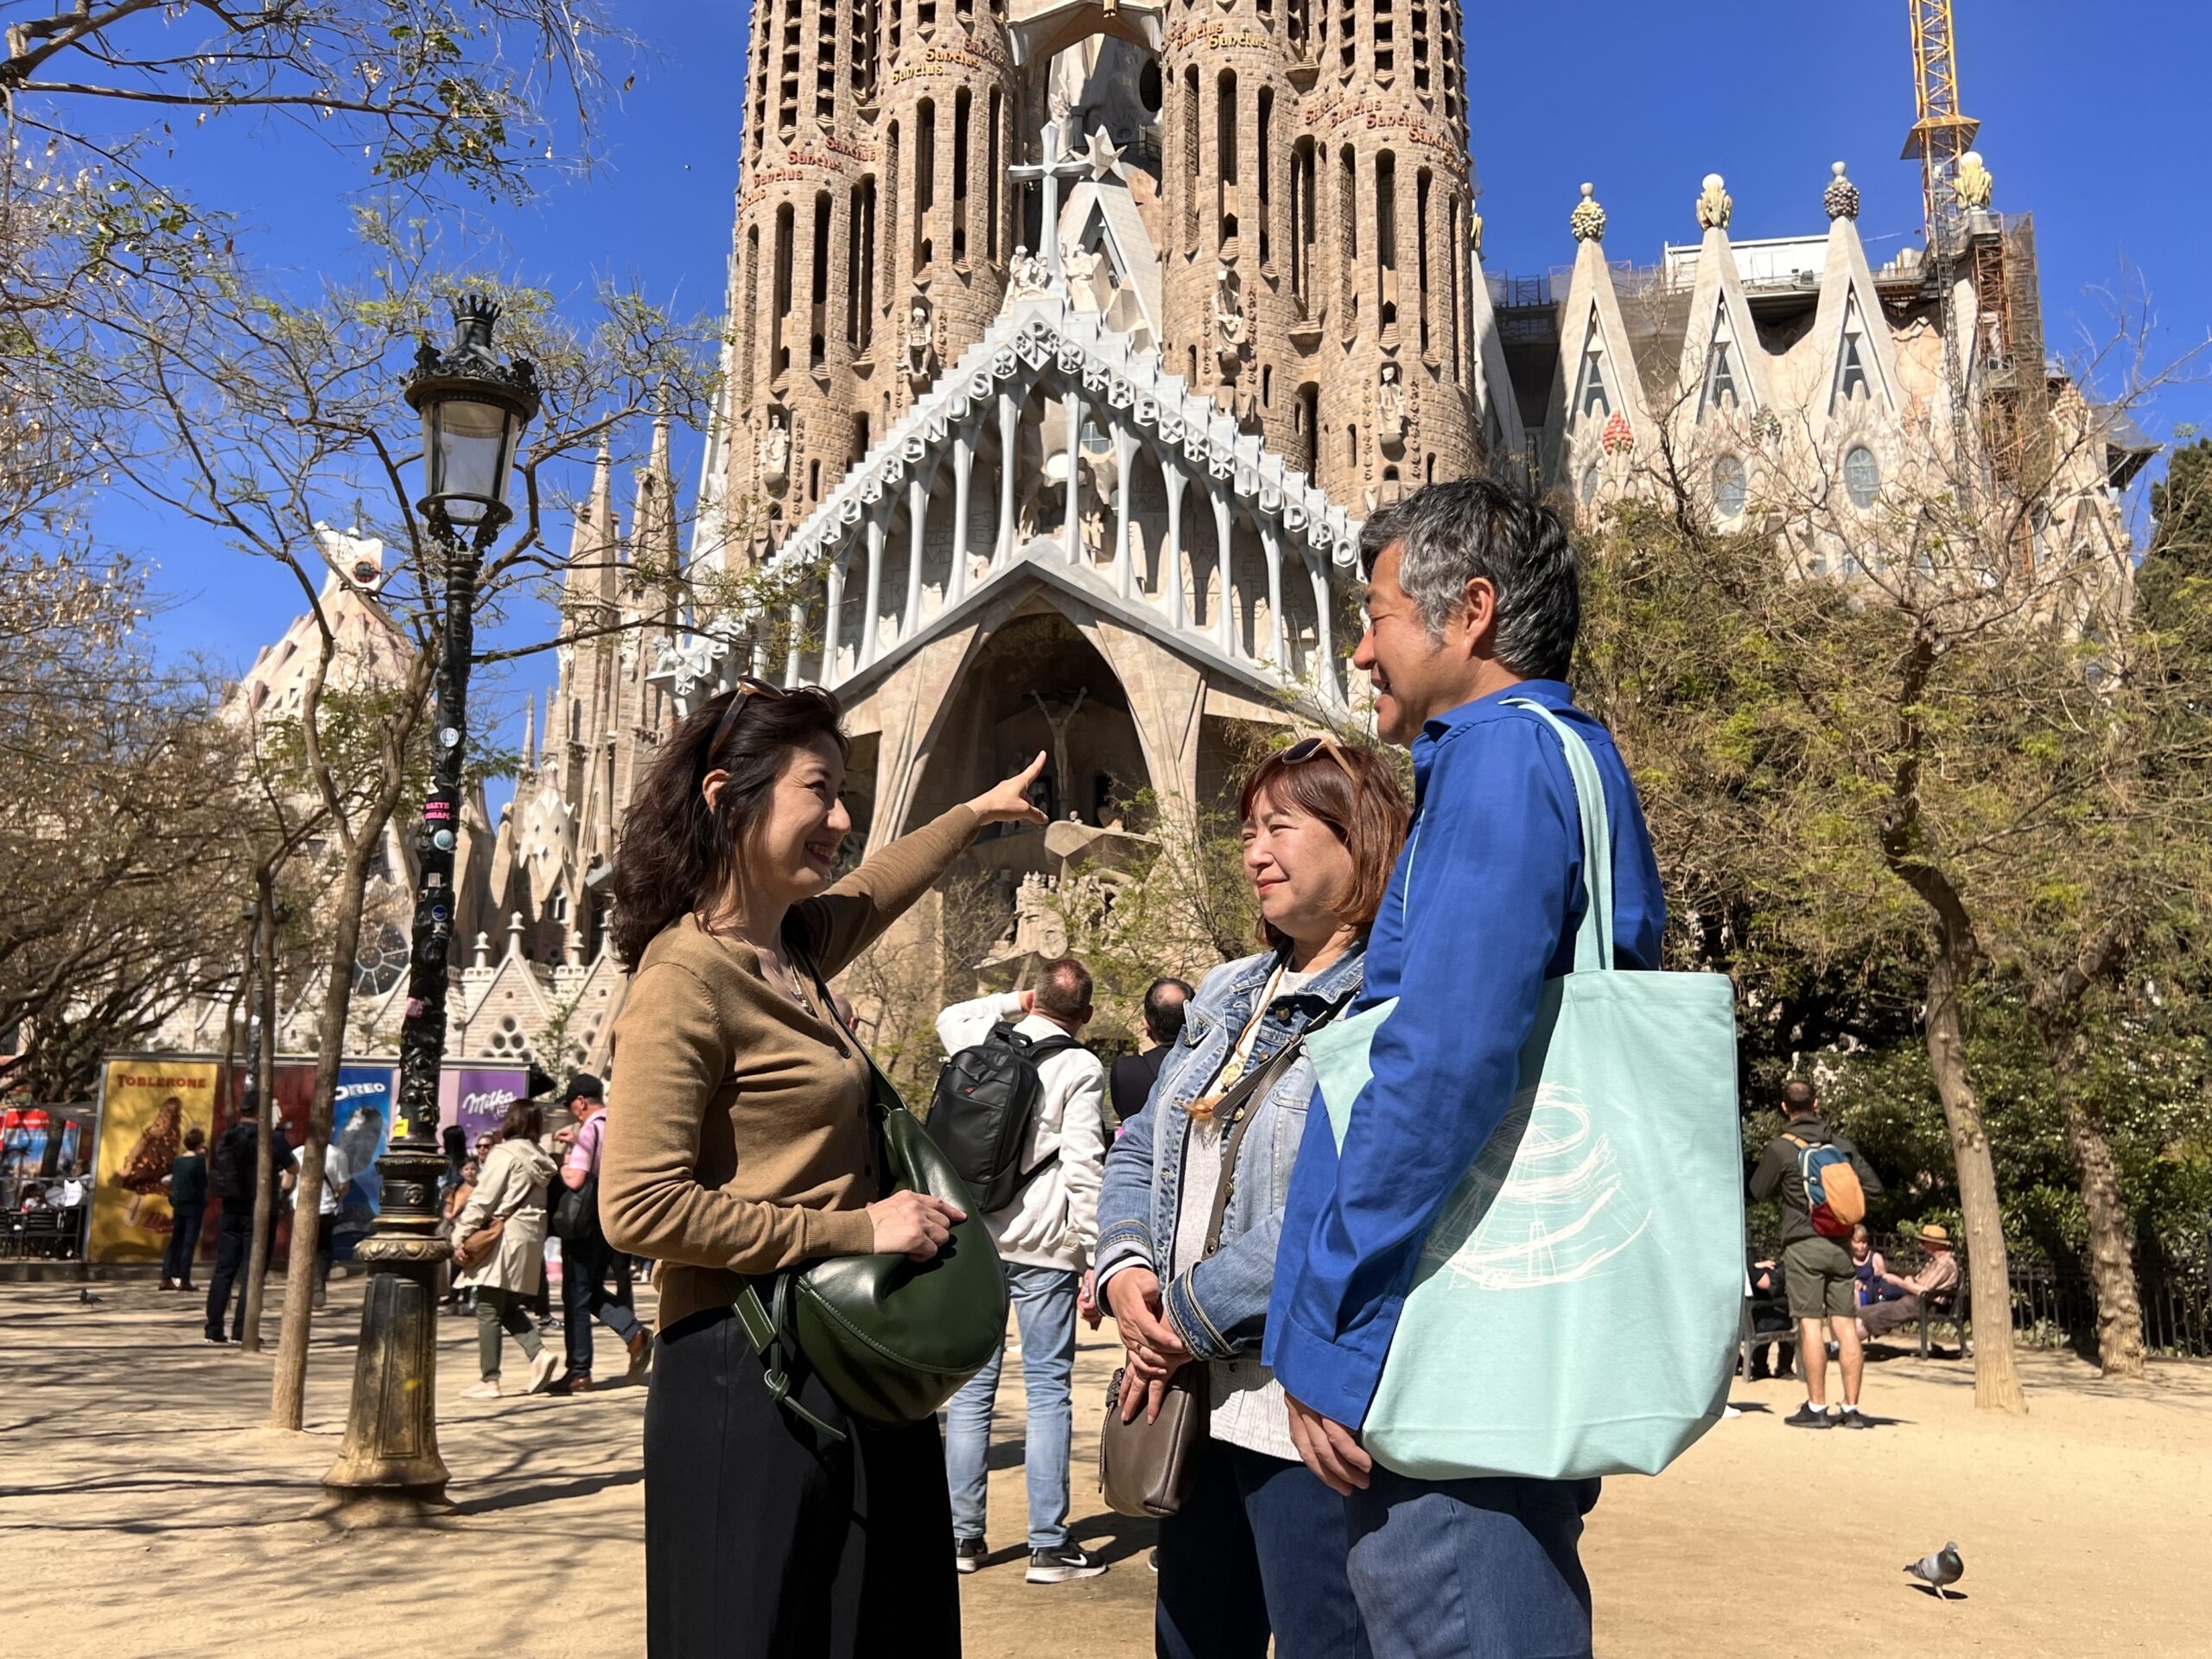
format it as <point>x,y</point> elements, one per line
<point>766,1323</point>
<point>1231,1107</point>
<point>764,1329</point>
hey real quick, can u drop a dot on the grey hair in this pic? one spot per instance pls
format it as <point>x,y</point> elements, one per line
<point>1473,527</point>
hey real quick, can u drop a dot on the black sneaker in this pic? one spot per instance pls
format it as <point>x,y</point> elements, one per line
<point>967,1554</point>
<point>1854,1418</point>
<point>1058,1566</point>
<point>1808,1416</point>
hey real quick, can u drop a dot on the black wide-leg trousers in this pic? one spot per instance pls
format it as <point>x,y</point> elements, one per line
<point>765,1539</point>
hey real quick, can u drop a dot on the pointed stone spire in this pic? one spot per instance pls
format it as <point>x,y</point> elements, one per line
<point>551,734</point>
<point>514,933</point>
<point>529,734</point>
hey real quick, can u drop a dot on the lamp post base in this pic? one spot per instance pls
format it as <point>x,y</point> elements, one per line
<point>391,1451</point>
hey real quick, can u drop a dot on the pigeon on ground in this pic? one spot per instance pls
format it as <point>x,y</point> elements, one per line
<point>1944,1567</point>
<point>86,1299</point>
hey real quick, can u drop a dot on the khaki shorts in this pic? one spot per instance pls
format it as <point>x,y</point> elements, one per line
<point>1820,1277</point>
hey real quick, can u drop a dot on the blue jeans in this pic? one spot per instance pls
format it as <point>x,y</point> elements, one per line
<point>1044,1311</point>
<point>1472,1569</point>
<point>1258,1548</point>
<point>584,1297</point>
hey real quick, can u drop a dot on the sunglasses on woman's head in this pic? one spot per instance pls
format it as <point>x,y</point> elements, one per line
<point>748,689</point>
<point>1309,748</point>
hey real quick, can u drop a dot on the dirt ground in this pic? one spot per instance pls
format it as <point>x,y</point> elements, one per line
<point>143,1511</point>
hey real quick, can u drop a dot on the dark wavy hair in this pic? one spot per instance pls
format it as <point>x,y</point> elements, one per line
<point>675,852</point>
<point>1361,800</point>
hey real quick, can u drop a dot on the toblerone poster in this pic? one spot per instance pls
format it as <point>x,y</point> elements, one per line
<point>146,1106</point>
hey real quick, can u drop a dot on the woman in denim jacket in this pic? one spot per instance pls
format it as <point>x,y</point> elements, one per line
<point>1260,1546</point>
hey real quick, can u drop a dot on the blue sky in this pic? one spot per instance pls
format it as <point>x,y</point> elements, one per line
<point>2088,127</point>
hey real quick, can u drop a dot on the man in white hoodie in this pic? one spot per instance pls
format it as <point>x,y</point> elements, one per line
<point>1045,1236</point>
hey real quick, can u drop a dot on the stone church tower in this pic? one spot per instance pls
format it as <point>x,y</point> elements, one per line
<point>1297,169</point>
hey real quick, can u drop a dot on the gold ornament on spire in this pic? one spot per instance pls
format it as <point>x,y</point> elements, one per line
<point>1715,206</point>
<point>1588,219</point>
<point>1974,184</point>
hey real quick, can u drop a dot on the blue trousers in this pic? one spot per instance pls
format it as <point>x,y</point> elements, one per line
<point>1258,1547</point>
<point>1044,1311</point>
<point>1472,1569</point>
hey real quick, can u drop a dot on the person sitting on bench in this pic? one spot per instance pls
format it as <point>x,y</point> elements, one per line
<point>1939,1277</point>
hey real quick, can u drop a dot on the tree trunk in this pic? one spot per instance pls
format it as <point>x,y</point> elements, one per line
<point>2112,1257</point>
<point>1996,1376</point>
<point>265,1197</point>
<point>287,1390</point>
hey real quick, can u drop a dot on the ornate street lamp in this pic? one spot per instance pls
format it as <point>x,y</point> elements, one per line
<point>473,408</point>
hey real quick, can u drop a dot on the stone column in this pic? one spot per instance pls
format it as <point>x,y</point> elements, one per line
<point>1009,455</point>
<point>833,615</point>
<point>793,666</point>
<point>1171,558</point>
<point>918,515</point>
<point>1125,456</point>
<point>1227,621</point>
<point>865,652</point>
<point>963,463</point>
<point>1317,568</point>
<point>1074,527</point>
<point>1278,639</point>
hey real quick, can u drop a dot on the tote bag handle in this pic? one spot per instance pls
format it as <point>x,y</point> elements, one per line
<point>1594,939</point>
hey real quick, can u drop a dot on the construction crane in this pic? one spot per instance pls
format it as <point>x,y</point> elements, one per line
<point>1998,439</point>
<point>1940,133</point>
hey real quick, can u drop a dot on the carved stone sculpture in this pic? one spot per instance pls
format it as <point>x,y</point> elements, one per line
<point>1587,221</point>
<point>1231,331</point>
<point>921,346</point>
<point>1391,410</point>
<point>1841,197</point>
<point>776,451</point>
<point>1028,278</point>
<point>1976,184</point>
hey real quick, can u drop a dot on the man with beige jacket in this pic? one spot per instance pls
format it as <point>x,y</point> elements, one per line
<point>1045,1236</point>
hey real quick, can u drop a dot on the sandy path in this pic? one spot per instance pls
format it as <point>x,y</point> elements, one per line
<point>139,1514</point>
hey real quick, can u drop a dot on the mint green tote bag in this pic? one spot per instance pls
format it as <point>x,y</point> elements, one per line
<point>1577,1307</point>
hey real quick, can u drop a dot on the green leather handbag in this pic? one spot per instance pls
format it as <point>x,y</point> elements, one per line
<point>893,1338</point>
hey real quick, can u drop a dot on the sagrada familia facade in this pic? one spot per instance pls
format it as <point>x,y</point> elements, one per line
<point>1071,340</point>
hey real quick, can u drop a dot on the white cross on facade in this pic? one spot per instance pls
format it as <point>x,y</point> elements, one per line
<point>1056,166</point>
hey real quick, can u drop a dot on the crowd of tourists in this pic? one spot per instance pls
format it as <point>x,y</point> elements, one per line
<point>1254,1227</point>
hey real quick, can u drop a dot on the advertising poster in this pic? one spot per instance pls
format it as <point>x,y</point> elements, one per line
<point>360,1124</point>
<point>477,1096</point>
<point>26,1137</point>
<point>146,1105</point>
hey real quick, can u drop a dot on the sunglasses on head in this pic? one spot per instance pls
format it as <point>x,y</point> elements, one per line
<point>1309,748</point>
<point>748,689</point>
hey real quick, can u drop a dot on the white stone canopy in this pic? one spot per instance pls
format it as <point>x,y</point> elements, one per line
<point>1111,403</point>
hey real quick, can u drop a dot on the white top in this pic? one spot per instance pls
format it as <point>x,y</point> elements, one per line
<point>337,1175</point>
<point>1247,1401</point>
<point>1053,1220</point>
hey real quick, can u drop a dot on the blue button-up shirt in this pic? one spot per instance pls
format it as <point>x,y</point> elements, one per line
<point>1482,909</point>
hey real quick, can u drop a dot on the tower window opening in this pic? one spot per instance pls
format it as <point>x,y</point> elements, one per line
<point>1347,233</point>
<point>1225,155</point>
<point>748,289</point>
<point>1386,237</point>
<point>1386,52</point>
<point>993,164</point>
<point>1418,21</point>
<point>1301,219</point>
<point>818,298</point>
<point>1189,182</point>
<point>779,355</point>
<point>1263,148</point>
<point>813,480</point>
<point>960,107</point>
<point>924,180</point>
<point>1421,251</point>
<point>890,209</point>
<point>825,61</point>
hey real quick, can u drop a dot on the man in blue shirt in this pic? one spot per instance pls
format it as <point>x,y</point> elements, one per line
<point>1473,599</point>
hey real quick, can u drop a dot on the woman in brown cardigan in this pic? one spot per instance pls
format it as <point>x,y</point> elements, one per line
<point>740,1141</point>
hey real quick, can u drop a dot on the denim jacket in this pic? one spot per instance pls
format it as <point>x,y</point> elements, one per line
<point>1219,1306</point>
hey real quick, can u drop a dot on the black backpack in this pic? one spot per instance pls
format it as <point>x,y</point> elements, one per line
<point>229,1172</point>
<point>980,1114</point>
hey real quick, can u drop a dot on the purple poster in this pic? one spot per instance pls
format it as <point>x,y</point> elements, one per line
<point>477,1096</point>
